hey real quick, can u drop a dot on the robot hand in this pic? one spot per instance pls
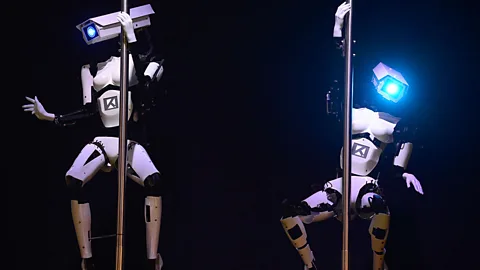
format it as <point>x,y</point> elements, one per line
<point>412,180</point>
<point>127,26</point>
<point>342,10</point>
<point>37,109</point>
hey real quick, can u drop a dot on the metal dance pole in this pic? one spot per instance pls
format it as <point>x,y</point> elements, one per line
<point>347,137</point>
<point>122,144</point>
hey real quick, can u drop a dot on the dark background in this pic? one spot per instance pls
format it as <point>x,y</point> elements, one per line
<point>242,127</point>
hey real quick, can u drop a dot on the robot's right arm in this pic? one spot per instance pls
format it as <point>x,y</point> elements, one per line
<point>87,110</point>
<point>69,119</point>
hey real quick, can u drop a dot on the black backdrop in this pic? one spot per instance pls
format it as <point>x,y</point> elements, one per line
<point>242,127</point>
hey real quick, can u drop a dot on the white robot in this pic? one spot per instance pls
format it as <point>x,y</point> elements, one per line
<point>101,96</point>
<point>372,132</point>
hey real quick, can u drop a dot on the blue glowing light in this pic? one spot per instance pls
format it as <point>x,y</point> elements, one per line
<point>389,83</point>
<point>392,89</point>
<point>91,31</point>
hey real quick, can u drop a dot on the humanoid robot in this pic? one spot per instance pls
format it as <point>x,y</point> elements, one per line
<point>372,132</point>
<point>101,97</point>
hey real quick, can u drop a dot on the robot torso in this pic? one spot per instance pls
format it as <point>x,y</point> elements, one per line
<point>108,74</point>
<point>371,133</point>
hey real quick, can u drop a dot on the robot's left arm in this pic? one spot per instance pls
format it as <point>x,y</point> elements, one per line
<point>402,157</point>
<point>154,71</point>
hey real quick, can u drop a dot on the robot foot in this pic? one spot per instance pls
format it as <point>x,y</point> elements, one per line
<point>155,264</point>
<point>87,264</point>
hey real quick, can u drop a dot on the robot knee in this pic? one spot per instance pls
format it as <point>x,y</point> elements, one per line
<point>378,205</point>
<point>154,185</point>
<point>75,189</point>
<point>295,209</point>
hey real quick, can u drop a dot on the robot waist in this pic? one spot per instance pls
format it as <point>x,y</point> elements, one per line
<point>372,174</point>
<point>133,131</point>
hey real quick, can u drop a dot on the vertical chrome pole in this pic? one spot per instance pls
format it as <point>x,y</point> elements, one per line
<point>122,144</point>
<point>347,137</point>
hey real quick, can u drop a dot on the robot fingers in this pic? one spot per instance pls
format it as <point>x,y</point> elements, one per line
<point>28,107</point>
<point>411,180</point>
<point>343,9</point>
<point>31,99</point>
<point>124,17</point>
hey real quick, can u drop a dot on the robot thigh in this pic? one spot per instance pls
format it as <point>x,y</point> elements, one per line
<point>90,160</point>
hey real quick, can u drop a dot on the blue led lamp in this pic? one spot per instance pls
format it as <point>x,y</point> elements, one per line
<point>90,31</point>
<point>389,83</point>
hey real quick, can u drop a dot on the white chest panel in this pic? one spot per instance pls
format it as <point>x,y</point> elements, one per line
<point>365,154</point>
<point>379,125</point>
<point>109,107</point>
<point>109,73</point>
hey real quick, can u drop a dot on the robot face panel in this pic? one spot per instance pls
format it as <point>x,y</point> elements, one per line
<point>106,27</point>
<point>389,83</point>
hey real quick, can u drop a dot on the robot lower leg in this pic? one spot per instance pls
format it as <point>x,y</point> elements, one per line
<point>293,226</point>
<point>153,214</point>
<point>379,230</point>
<point>82,221</point>
<point>295,230</point>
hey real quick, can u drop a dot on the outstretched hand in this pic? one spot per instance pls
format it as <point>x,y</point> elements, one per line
<point>36,108</point>
<point>411,180</point>
<point>127,26</point>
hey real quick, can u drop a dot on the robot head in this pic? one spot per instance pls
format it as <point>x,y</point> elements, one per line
<point>106,27</point>
<point>389,83</point>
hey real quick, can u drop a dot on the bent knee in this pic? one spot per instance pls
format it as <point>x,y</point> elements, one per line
<point>154,185</point>
<point>378,205</point>
<point>75,189</point>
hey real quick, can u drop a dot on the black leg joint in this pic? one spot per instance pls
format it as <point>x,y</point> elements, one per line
<point>75,188</point>
<point>295,209</point>
<point>154,185</point>
<point>378,205</point>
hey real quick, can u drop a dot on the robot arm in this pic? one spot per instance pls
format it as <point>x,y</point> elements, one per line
<point>404,136</point>
<point>88,109</point>
<point>149,70</point>
<point>334,96</point>
<point>342,10</point>
<point>127,26</point>
<point>37,109</point>
<point>69,119</point>
<point>402,157</point>
<point>334,102</point>
<point>154,71</point>
<point>87,84</point>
